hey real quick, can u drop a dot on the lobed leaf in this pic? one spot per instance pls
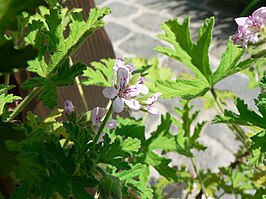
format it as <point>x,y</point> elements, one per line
<point>245,117</point>
<point>187,89</point>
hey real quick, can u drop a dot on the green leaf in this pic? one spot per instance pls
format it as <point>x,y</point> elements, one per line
<point>9,9</point>
<point>118,149</point>
<point>161,164</point>
<point>34,82</point>
<point>48,94</point>
<point>260,193</point>
<point>65,74</point>
<point>9,152</point>
<point>200,57</point>
<point>194,56</point>
<point>80,184</point>
<point>5,88</point>
<point>11,57</point>
<point>158,188</point>
<point>245,117</point>
<point>134,178</point>
<point>229,63</point>
<point>51,38</point>
<point>79,31</point>
<point>110,187</point>
<point>5,99</point>
<point>187,89</point>
<point>20,192</point>
<point>130,127</point>
<point>162,138</point>
<point>258,149</point>
<point>101,73</point>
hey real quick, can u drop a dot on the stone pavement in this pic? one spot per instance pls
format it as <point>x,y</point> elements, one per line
<point>132,28</point>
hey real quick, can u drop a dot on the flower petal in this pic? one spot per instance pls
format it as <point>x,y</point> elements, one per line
<point>110,92</point>
<point>241,20</point>
<point>153,98</point>
<point>111,124</point>
<point>118,105</point>
<point>142,89</point>
<point>97,115</point>
<point>122,78</point>
<point>119,63</point>
<point>261,13</point>
<point>133,104</point>
<point>153,110</point>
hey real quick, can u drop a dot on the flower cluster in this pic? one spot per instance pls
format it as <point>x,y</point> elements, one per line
<point>129,90</point>
<point>250,28</point>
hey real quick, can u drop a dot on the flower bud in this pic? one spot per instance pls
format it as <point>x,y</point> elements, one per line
<point>69,107</point>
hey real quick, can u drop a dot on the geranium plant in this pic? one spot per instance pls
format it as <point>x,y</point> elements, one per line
<point>99,154</point>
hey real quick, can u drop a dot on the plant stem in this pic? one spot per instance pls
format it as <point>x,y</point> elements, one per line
<point>236,129</point>
<point>81,92</point>
<point>24,103</point>
<point>198,176</point>
<point>101,171</point>
<point>66,142</point>
<point>106,118</point>
<point>80,89</point>
<point>7,79</point>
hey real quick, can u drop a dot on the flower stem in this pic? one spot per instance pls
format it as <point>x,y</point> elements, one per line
<point>24,103</point>
<point>81,92</point>
<point>106,118</point>
<point>198,176</point>
<point>236,129</point>
<point>80,89</point>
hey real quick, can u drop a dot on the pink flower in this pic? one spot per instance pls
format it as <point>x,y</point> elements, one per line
<point>97,116</point>
<point>249,28</point>
<point>149,104</point>
<point>124,93</point>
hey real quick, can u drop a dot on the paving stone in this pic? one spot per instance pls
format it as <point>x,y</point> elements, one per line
<point>223,135</point>
<point>121,9</point>
<point>176,66</point>
<point>148,2</point>
<point>150,21</point>
<point>116,31</point>
<point>157,4</point>
<point>238,84</point>
<point>141,45</point>
<point>98,2</point>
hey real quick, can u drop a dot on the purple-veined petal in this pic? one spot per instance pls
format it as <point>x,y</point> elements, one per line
<point>111,124</point>
<point>261,13</point>
<point>118,105</point>
<point>110,92</point>
<point>151,100</point>
<point>133,104</point>
<point>130,67</point>
<point>97,115</point>
<point>131,91</point>
<point>153,110</point>
<point>122,78</point>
